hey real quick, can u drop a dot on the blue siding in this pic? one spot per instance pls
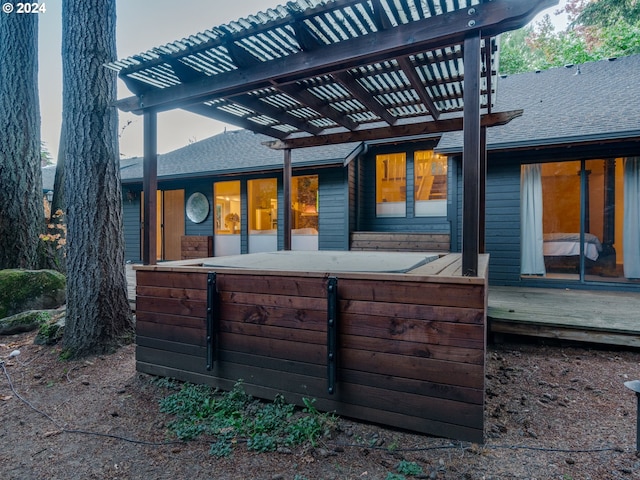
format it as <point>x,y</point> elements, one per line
<point>503,223</point>
<point>131,224</point>
<point>333,217</point>
<point>206,188</point>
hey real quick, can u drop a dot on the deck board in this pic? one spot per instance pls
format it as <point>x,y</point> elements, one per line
<point>580,315</point>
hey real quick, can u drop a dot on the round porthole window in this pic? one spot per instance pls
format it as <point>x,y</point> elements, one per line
<point>197,208</point>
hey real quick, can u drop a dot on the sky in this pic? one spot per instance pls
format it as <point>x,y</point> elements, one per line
<point>141,25</point>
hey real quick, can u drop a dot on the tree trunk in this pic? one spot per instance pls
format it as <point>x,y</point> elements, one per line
<point>21,194</point>
<point>98,314</point>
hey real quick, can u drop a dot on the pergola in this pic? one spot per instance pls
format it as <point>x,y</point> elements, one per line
<point>318,72</point>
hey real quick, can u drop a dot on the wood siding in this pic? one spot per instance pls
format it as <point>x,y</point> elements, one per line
<point>411,347</point>
<point>400,242</point>
<point>196,246</point>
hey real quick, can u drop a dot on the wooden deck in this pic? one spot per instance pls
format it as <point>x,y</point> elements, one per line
<point>611,318</point>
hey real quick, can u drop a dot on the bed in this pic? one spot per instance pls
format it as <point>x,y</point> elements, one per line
<point>562,250</point>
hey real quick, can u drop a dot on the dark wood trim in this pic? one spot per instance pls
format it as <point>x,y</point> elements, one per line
<point>286,194</point>
<point>471,156</point>
<point>431,33</point>
<point>420,126</point>
<point>482,219</point>
<point>415,81</point>
<point>359,92</point>
<point>150,187</point>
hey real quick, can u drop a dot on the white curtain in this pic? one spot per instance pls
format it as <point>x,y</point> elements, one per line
<point>631,228</point>
<point>531,243</point>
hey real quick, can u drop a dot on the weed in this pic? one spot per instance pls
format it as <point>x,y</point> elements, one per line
<point>66,354</point>
<point>165,382</point>
<point>394,476</point>
<point>231,416</point>
<point>409,468</point>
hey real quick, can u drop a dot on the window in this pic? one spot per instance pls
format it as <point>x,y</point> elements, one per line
<point>430,184</point>
<point>391,185</point>
<point>263,215</point>
<point>304,205</point>
<point>228,218</point>
<point>580,220</point>
<point>227,195</point>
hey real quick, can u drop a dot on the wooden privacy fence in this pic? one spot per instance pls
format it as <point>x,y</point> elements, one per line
<point>405,350</point>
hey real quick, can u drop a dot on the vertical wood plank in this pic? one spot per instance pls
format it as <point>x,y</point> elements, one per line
<point>286,193</point>
<point>150,187</point>
<point>483,191</point>
<point>471,156</point>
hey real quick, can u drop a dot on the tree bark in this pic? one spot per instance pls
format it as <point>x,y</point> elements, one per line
<point>21,194</point>
<point>98,314</point>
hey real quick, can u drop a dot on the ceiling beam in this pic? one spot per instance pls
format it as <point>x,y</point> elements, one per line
<point>244,122</point>
<point>418,87</point>
<point>407,39</point>
<point>303,96</point>
<point>397,131</point>
<point>364,96</point>
<point>264,108</point>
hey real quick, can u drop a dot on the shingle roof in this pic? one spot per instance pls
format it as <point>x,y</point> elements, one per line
<point>235,151</point>
<point>588,102</point>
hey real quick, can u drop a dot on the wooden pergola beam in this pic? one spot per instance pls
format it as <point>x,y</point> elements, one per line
<point>359,92</point>
<point>398,131</point>
<point>407,39</point>
<point>416,83</point>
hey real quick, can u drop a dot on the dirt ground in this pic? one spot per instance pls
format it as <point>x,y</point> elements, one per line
<point>552,412</point>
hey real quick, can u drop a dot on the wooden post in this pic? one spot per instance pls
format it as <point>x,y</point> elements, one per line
<point>471,156</point>
<point>150,187</point>
<point>286,193</point>
<point>482,247</point>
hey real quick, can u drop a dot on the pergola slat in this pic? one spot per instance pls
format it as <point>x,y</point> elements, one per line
<point>358,70</point>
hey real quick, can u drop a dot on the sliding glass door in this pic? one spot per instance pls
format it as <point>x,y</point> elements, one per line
<point>580,220</point>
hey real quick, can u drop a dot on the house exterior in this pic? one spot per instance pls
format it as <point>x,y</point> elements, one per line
<point>579,135</point>
<point>230,187</point>
<point>565,173</point>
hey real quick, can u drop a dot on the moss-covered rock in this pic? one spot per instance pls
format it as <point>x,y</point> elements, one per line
<point>24,322</point>
<point>51,331</point>
<point>22,290</point>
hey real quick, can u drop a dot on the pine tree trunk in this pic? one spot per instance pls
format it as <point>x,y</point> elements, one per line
<point>21,194</point>
<point>98,313</point>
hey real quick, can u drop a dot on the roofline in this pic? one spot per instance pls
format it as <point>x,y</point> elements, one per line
<point>575,140</point>
<point>246,171</point>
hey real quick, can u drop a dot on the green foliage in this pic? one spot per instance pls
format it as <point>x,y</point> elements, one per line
<point>409,468</point>
<point>394,476</point>
<point>65,354</point>
<point>606,13</point>
<point>50,331</point>
<point>540,47</point>
<point>45,155</point>
<point>231,416</point>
